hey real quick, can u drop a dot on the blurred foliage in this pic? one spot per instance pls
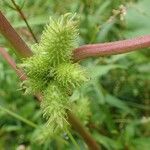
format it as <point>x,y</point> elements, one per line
<point>119,89</point>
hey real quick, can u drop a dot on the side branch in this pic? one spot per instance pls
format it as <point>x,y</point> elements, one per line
<point>111,48</point>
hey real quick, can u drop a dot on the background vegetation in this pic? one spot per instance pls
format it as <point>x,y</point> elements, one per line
<point>119,90</point>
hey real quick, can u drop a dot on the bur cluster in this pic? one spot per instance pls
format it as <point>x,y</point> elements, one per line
<point>51,70</point>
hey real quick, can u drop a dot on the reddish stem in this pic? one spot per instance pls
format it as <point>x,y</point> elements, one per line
<point>12,36</point>
<point>85,134</point>
<point>12,63</point>
<point>111,48</point>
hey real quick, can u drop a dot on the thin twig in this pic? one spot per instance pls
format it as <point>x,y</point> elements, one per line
<point>24,18</point>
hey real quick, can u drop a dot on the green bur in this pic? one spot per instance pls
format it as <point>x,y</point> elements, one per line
<point>51,71</point>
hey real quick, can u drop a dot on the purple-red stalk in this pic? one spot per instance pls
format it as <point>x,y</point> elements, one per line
<point>111,48</point>
<point>12,63</point>
<point>12,36</point>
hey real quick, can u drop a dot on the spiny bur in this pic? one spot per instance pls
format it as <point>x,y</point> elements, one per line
<point>70,75</point>
<point>59,38</point>
<point>54,106</point>
<point>51,71</point>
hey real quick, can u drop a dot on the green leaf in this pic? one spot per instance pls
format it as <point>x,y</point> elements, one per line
<point>101,70</point>
<point>108,143</point>
<point>115,102</point>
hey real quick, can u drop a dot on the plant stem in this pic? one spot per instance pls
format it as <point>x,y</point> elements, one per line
<point>82,131</point>
<point>11,35</point>
<point>28,122</point>
<point>111,48</point>
<point>12,63</point>
<point>25,20</point>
